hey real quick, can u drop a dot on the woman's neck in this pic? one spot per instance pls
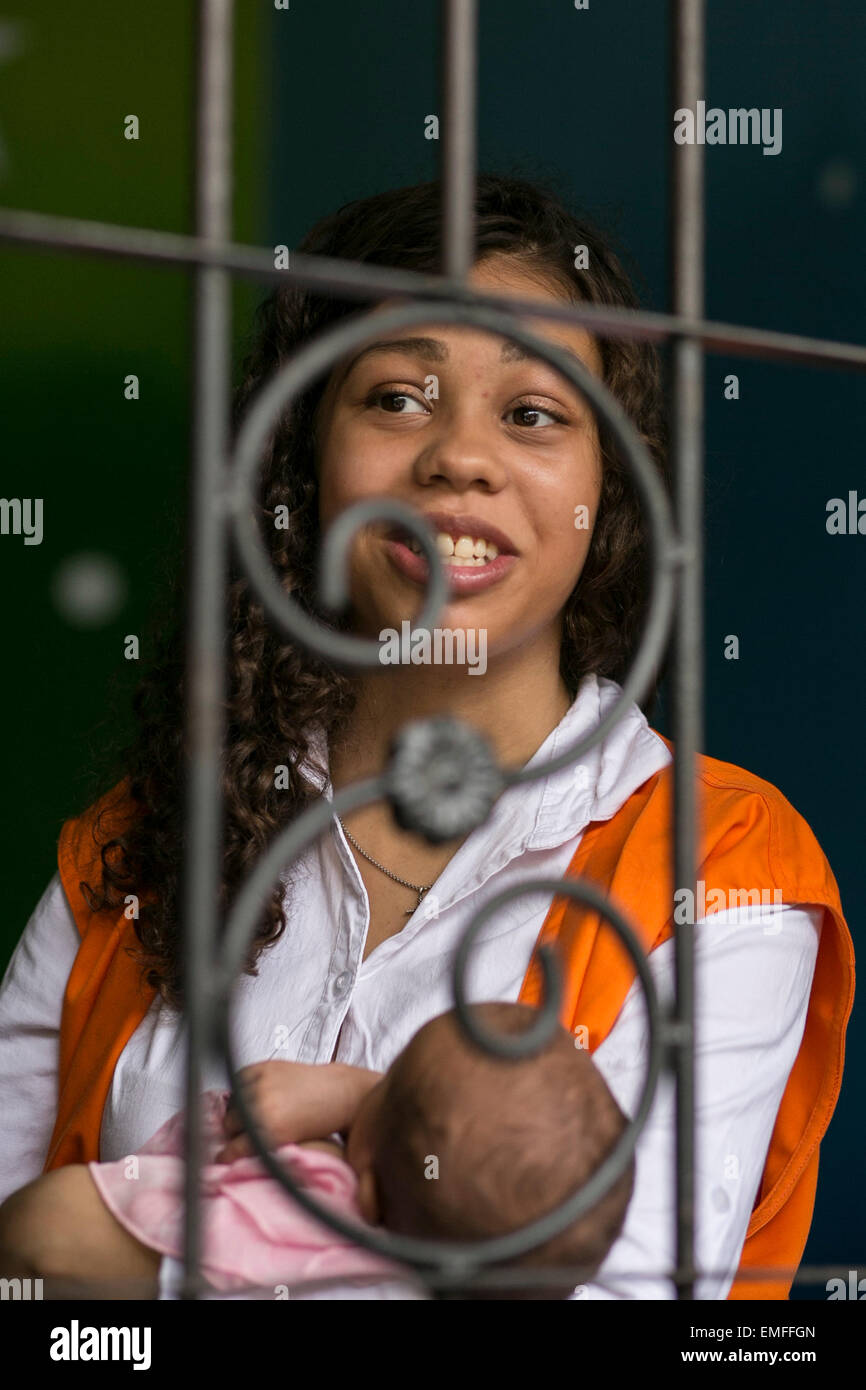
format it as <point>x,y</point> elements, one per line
<point>516,703</point>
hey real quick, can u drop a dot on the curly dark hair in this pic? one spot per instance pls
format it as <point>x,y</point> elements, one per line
<point>277,692</point>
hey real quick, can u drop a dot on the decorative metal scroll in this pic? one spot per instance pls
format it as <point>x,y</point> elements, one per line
<point>449,804</point>
<point>429,755</point>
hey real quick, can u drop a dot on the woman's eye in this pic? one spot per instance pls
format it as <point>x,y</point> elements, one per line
<point>403,402</point>
<point>532,413</point>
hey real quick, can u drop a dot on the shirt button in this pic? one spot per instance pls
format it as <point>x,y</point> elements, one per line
<point>342,982</point>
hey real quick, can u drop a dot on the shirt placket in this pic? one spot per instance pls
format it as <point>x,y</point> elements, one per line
<point>351,912</point>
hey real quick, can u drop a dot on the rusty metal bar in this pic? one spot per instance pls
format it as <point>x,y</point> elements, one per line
<point>207,575</point>
<point>687,363</point>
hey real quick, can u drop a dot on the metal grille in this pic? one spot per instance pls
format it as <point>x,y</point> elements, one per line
<point>222,497</point>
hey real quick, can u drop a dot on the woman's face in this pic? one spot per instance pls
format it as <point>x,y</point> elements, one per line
<point>491,444</point>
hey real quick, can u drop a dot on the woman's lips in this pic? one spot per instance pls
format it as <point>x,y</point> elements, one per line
<point>462,579</point>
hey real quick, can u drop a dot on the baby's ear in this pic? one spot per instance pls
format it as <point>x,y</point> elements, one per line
<point>368,1197</point>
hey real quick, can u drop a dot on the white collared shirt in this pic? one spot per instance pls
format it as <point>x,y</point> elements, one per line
<point>315,998</point>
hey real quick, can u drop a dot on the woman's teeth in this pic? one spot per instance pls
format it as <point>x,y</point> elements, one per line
<point>464,551</point>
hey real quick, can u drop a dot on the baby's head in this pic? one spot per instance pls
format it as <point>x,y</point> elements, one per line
<point>506,1140</point>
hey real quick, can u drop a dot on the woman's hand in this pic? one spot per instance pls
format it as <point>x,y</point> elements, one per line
<point>293,1101</point>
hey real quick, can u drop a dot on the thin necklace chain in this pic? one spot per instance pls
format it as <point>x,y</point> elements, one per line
<point>419,888</point>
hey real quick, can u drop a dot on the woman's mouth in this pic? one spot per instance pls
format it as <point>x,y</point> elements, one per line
<point>471,562</point>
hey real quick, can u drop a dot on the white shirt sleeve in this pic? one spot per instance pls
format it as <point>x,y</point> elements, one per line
<point>753,977</point>
<point>31,1003</point>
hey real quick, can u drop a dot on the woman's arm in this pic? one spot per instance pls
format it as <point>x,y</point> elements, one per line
<point>31,1001</point>
<point>754,971</point>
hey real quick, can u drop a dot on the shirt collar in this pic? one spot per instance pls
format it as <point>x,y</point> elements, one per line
<point>597,786</point>
<point>545,813</point>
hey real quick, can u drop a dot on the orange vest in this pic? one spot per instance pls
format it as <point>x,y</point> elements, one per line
<point>750,837</point>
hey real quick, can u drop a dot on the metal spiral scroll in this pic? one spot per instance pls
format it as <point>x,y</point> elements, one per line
<point>428,760</point>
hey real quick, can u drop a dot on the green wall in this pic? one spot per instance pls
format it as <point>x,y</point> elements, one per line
<point>112,473</point>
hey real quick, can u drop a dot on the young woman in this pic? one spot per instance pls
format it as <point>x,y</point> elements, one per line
<point>355,951</point>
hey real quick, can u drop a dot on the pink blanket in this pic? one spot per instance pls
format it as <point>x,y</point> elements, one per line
<point>254,1233</point>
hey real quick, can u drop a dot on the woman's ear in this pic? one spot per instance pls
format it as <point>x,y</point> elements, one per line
<point>368,1197</point>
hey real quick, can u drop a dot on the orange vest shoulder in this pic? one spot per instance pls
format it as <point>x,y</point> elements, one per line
<point>104,999</point>
<point>751,840</point>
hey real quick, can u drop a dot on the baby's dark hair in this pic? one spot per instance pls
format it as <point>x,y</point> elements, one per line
<point>508,1141</point>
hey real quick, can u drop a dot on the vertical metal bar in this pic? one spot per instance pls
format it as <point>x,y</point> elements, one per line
<point>687,362</point>
<point>458,81</point>
<point>207,567</point>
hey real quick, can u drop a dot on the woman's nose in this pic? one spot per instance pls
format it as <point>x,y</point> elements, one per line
<point>463,452</point>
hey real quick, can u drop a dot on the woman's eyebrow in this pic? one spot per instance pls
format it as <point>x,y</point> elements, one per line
<point>434,350</point>
<point>515,352</point>
<point>427,349</point>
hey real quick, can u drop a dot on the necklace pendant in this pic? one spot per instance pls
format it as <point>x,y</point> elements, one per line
<point>411,910</point>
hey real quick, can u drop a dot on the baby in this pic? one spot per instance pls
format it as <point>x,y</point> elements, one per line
<point>451,1144</point>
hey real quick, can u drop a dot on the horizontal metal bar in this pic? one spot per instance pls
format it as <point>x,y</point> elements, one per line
<point>527,1276</point>
<point>352,280</point>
